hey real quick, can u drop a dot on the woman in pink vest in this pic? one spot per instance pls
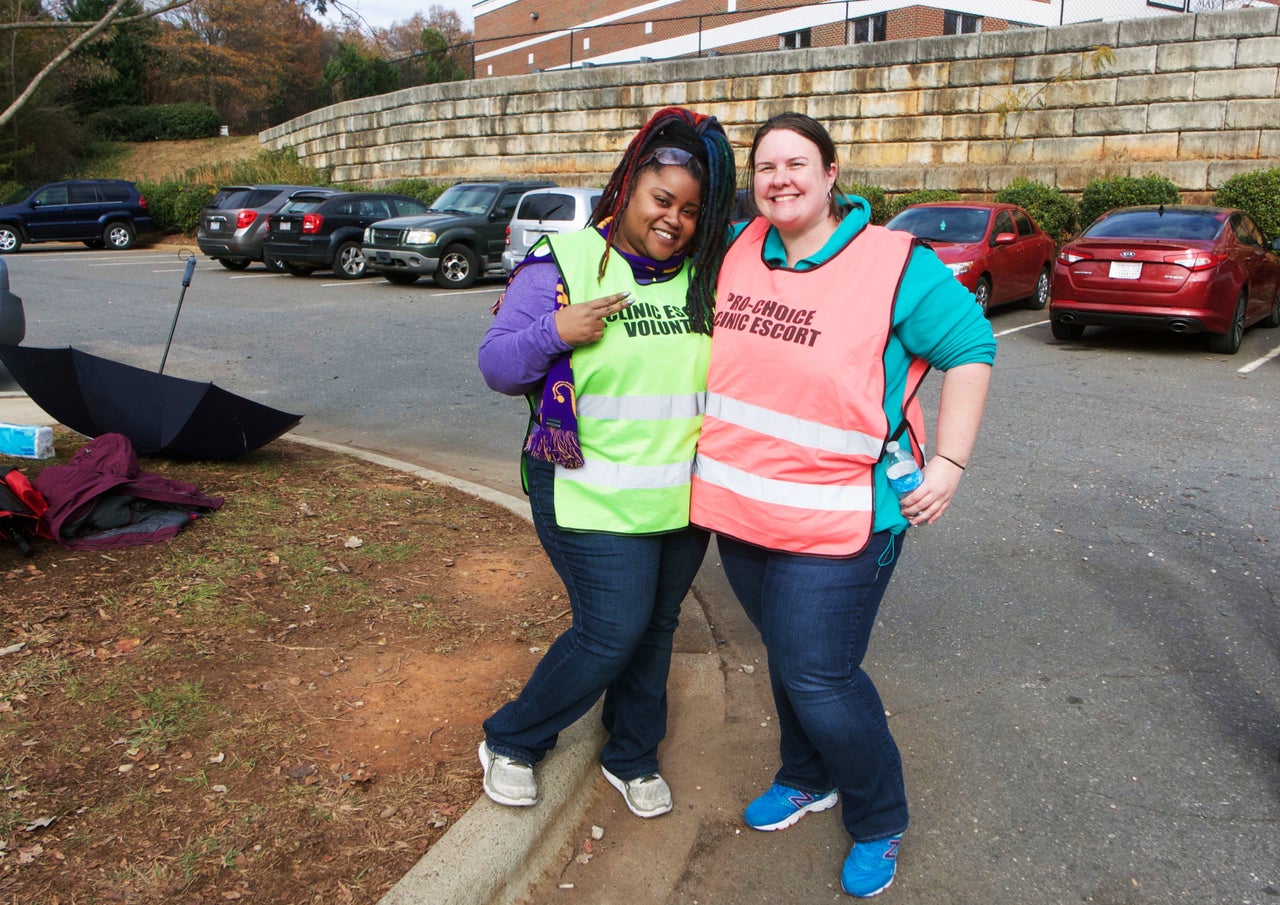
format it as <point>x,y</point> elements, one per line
<point>825,326</point>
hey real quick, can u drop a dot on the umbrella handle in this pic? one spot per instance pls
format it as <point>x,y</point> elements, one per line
<point>186,281</point>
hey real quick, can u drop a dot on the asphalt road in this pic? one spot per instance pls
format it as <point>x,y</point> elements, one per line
<point>1081,662</point>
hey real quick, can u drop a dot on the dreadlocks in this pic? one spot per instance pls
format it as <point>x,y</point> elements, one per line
<point>713,164</point>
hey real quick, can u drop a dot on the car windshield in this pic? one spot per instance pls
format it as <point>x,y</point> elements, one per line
<point>546,206</point>
<point>943,224</point>
<point>465,199</point>
<point>302,205</point>
<point>231,198</point>
<point>1156,225</point>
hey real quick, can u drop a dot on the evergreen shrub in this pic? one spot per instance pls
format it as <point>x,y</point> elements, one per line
<point>922,196</point>
<point>1109,192</point>
<point>1258,195</point>
<point>1054,210</point>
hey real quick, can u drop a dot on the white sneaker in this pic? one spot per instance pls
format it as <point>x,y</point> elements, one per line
<point>646,796</point>
<point>507,780</point>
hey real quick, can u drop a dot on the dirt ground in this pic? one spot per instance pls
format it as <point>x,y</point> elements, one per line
<point>280,705</point>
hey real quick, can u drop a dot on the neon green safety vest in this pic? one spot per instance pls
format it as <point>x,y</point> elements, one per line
<point>640,397</point>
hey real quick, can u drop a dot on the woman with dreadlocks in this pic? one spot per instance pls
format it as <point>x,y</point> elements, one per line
<point>607,332</point>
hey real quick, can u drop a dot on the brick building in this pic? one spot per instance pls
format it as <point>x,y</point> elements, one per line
<point>514,37</point>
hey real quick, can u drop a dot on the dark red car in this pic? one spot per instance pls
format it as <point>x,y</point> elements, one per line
<point>996,250</point>
<point>1180,268</point>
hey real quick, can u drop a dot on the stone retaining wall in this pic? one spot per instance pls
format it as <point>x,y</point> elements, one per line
<point>1193,97</point>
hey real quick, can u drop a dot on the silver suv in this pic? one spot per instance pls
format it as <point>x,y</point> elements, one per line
<point>546,212</point>
<point>234,223</point>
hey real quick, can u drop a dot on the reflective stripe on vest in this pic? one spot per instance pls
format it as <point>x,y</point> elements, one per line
<point>640,396</point>
<point>795,404</point>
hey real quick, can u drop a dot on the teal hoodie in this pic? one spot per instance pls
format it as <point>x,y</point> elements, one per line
<point>935,318</point>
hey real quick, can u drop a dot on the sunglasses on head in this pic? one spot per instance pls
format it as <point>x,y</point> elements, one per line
<point>677,157</point>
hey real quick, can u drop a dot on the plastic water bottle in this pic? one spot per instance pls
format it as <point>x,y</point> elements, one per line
<point>903,473</point>
<point>26,440</point>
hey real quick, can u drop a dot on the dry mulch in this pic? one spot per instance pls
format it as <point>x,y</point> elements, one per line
<point>280,705</point>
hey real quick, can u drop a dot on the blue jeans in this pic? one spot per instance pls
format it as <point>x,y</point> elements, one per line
<point>815,616</point>
<point>625,593</point>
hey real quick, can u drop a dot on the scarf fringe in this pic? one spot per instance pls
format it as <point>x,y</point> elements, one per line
<point>554,444</point>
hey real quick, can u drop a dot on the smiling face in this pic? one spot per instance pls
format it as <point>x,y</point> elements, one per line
<point>791,183</point>
<point>659,220</point>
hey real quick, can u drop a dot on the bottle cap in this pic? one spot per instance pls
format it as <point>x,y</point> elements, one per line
<point>891,446</point>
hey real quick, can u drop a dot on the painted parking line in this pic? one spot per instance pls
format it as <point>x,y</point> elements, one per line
<point>450,293</point>
<point>1259,362</point>
<point>1023,327</point>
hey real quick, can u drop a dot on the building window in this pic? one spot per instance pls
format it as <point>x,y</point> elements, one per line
<point>869,29</point>
<point>648,28</point>
<point>586,43</point>
<point>794,40</point>
<point>530,59</point>
<point>960,24</point>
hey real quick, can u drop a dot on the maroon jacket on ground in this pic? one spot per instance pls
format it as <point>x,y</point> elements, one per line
<point>101,500</point>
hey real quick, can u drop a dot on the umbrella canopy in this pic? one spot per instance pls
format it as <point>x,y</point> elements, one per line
<point>157,412</point>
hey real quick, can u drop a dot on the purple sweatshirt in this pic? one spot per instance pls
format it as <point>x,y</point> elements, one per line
<point>520,344</point>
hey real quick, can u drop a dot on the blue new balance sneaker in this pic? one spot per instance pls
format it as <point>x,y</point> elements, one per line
<point>781,806</point>
<point>870,867</point>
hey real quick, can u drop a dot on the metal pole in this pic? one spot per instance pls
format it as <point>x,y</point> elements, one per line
<point>186,281</point>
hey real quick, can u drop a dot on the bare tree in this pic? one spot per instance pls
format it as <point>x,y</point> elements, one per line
<point>84,32</point>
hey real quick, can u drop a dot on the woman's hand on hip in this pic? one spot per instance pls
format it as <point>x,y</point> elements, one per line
<point>584,322</point>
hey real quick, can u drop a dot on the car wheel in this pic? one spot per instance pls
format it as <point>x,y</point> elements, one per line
<point>274,265</point>
<point>459,267</point>
<point>400,277</point>
<point>982,292</point>
<point>1066,331</point>
<point>1229,343</point>
<point>1041,297</point>
<point>10,241</point>
<point>234,263</point>
<point>118,235</point>
<point>1273,319</point>
<point>348,261</point>
<point>299,270</point>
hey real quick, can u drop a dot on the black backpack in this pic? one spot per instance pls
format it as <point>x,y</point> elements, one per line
<point>21,506</point>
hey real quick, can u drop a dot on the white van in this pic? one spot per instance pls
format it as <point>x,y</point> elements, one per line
<point>546,212</point>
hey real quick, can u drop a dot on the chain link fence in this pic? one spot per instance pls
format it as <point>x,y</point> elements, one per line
<point>629,38</point>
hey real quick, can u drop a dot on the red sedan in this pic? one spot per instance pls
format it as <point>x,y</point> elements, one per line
<point>1180,268</point>
<point>996,250</point>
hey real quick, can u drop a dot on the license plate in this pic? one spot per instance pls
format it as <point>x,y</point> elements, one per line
<point>285,226</point>
<point>1125,270</point>
<point>214,226</point>
<point>382,257</point>
<point>533,235</point>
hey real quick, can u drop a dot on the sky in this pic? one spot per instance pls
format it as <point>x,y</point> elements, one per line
<point>381,13</point>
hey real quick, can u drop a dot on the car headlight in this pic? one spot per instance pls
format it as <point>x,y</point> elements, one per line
<point>961,267</point>
<point>368,235</point>
<point>420,237</point>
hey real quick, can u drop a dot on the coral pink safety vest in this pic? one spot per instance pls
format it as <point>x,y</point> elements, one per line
<point>795,415</point>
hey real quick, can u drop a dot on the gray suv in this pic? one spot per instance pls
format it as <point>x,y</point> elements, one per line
<point>234,223</point>
<point>108,213</point>
<point>458,240</point>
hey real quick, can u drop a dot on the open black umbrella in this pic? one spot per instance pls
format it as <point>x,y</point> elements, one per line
<point>157,412</point>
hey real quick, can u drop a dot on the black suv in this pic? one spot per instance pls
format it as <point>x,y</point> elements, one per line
<point>97,212</point>
<point>317,230</point>
<point>234,222</point>
<point>460,238</point>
